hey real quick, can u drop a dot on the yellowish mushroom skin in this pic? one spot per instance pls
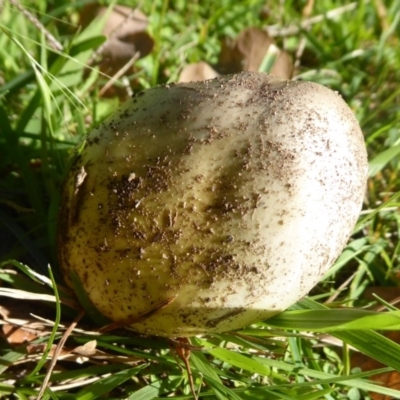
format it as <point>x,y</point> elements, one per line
<point>209,206</point>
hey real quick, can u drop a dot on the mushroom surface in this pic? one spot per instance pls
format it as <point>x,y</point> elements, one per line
<point>204,207</point>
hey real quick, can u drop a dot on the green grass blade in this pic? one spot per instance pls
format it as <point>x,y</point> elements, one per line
<point>240,361</point>
<point>54,331</point>
<point>336,320</point>
<point>323,377</point>
<point>369,342</point>
<point>105,385</point>
<point>379,162</point>
<point>86,303</point>
<point>148,392</point>
<point>10,357</point>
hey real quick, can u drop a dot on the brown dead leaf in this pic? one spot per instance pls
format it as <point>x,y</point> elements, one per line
<point>33,348</point>
<point>387,293</point>
<point>127,39</point>
<point>18,335</point>
<point>247,52</point>
<point>387,379</point>
<point>40,348</point>
<point>18,327</point>
<point>88,349</point>
<point>200,71</point>
<point>283,66</point>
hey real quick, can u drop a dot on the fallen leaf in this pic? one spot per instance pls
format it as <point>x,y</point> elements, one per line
<point>39,348</point>
<point>387,379</point>
<point>387,293</point>
<point>391,380</point>
<point>200,71</point>
<point>248,51</point>
<point>18,335</point>
<point>88,349</point>
<point>17,325</point>
<point>127,39</point>
<point>283,66</point>
<point>252,50</point>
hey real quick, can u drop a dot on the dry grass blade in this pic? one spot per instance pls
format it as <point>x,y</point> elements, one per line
<point>291,30</point>
<point>27,14</point>
<point>24,295</point>
<point>57,353</point>
<point>75,384</point>
<point>119,73</point>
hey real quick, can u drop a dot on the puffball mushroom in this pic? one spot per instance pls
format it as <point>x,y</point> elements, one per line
<point>207,206</point>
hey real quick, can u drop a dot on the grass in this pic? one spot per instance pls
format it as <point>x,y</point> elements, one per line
<point>46,108</point>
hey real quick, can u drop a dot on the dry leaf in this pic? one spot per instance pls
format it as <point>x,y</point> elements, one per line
<point>387,293</point>
<point>88,349</point>
<point>247,52</point>
<point>387,379</point>
<point>200,71</point>
<point>18,335</point>
<point>18,327</point>
<point>125,29</point>
<point>283,66</point>
<point>127,39</point>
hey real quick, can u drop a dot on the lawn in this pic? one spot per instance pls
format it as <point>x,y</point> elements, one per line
<point>61,74</point>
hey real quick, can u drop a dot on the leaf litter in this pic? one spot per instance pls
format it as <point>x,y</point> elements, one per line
<point>252,50</point>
